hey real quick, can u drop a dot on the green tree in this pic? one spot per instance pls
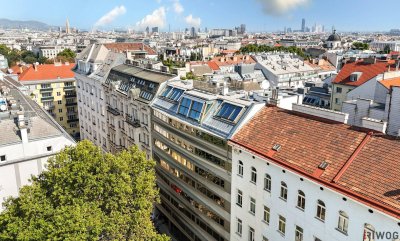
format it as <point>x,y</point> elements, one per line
<point>42,60</point>
<point>386,50</point>
<point>67,53</point>
<point>86,195</point>
<point>360,46</point>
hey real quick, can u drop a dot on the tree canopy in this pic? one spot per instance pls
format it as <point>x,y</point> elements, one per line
<point>67,55</point>
<point>360,46</point>
<point>13,56</point>
<point>255,48</point>
<point>86,195</point>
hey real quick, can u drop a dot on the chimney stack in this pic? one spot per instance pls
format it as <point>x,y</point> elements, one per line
<point>23,129</point>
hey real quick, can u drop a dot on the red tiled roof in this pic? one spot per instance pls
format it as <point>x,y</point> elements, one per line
<point>117,47</point>
<point>16,69</point>
<point>368,71</point>
<point>390,82</point>
<point>47,72</point>
<point>213,65</point>
<point>371,176</point>
<point>217,62</point>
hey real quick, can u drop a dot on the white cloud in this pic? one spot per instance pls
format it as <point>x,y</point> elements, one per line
<point>194,22</point>
<point>111,16</point>
<point>178,8</point>
<point>156,19</point>
<point>280,7</point>
<point>158,1</point>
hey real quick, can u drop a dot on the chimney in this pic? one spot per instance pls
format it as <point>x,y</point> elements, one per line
<point>222,59</point>
<point>20,69</point>
<point>23,129</point>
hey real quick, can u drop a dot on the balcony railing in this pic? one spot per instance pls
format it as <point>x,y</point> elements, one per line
<point>70,95</point>
<point>73,120</point>
<point>70,103</point>
<point>70,87</point>
<point>47,98</point>
<point>46,90</point>
<point>113,111</point>
<point>131,121</point>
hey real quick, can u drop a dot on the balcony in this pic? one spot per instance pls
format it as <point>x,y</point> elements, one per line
<point>70,87</point>
<point>113,111</point>
<point>70,95</point>
<point>131,121</point>
<point>70,103</point>
<point>47,98</point>
<point>46,90</point>
<point>49,107</point>
<point>73,120</point>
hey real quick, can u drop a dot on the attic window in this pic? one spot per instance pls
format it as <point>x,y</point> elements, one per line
<point>323,165</point>
<point>49,148</point>
<point>276,147</point>
<point>355,76</point>
<point>2,158</point>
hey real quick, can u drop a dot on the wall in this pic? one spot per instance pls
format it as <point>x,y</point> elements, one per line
<point>358,213</point>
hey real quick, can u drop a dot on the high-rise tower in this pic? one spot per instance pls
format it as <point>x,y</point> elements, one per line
<point>67,28</point>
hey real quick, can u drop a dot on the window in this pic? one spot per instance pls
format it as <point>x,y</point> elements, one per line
<point>195,110</point>
<point>49,148</point>
<point>321,210</point>
<point>337,101</point>
<point>239,199</point>
<point>338,90</point>
<point>282,225</point>
<point>252,205</point>
<point>343,222</point>
<point>266,214</point>
<point>253,175</point>
<point>59,102</point>
<point>59,110</point>
<point>301,200</point>
<point>61,118</point>
<point>229,111</point>
<point>283,191</point>
<point>2,158</point>
<point>298,235</point>
<point>184,106</point>
<point>267,183</point>
<point>240,168</point>
<point>58,93</point>
<point>264,238</point>
<point>239,226</point>
<point>251,234</point>
<point>369,232</point>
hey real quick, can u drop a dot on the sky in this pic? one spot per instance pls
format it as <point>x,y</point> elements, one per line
<point>258,15</point>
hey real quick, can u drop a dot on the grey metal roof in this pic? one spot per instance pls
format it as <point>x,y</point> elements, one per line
<point>41,124</point>
<point>209,122</point>
<point>146,74</point>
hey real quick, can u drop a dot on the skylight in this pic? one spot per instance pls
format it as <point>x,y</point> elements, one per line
<point>190,108</point>
<point>229,111</point>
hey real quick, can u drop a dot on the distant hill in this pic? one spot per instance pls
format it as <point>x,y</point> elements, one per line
<point>12,24</point>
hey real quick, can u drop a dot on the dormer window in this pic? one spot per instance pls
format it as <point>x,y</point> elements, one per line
<point>190,108</point>
<point>229,111</point>
<point>355,76</point>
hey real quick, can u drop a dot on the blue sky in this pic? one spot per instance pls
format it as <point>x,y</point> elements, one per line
<point>265,15</point>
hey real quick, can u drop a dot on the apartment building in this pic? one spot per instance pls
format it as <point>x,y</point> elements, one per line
<point>361,74</point>
<point>302,175</point>
<point>29,136</point>
<point>52,86</point>
<point>190,129</point>
<point>91,70</point>
<point>285,70</point>
<point>51,52</point>
<point>129,90</point>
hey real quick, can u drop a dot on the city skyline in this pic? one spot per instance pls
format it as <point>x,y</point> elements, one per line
<point>266,15</point>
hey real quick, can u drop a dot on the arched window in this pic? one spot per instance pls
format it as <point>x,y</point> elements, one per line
<point>240,168</point>
<point>321,209</point>
<point>284,191</point>
<point>343,222</point>
<point>253,175</point>
<point>301,200</point>
<point>369,232</point>
<point>267,183</point>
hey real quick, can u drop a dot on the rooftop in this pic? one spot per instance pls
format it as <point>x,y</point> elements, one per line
<point>371,175</point>
<point>367,70</point>
<point>47,72</point>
